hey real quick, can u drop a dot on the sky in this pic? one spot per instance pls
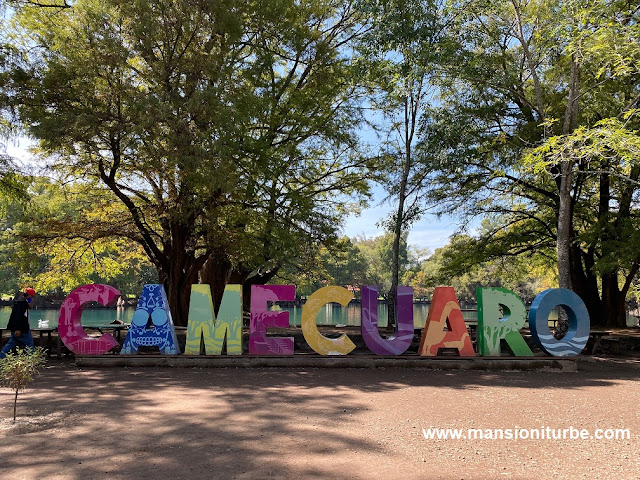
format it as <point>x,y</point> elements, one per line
<point>429,232</point>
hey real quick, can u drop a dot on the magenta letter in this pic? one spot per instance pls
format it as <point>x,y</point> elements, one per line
<point>69,324</point>
<point>261,318</point>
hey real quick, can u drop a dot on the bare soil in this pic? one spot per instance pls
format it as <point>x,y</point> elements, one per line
<point>317,423</point>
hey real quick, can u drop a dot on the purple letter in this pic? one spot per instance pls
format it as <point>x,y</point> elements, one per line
<point>401,340</point>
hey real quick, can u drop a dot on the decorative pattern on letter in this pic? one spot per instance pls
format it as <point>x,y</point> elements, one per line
<point>579,322</point>
<point>70,325</point>
<point>492,328</point>
<point>152,325</point>
<point>261,319</point>
<point>203,323</point>
<point>403,335</point>
<point>318,342</point>
<point>444,305</point>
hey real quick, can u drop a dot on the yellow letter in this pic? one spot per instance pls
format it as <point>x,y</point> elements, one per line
<point>318,342</point>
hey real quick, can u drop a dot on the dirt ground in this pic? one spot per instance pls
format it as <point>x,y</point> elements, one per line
<point>317,423</point>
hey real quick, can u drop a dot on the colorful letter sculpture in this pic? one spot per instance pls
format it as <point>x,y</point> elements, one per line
<point>445,310</point>
<point>492,328</point>
<point>70,325</point>
<point>579,323</point>
<point>401,340</point>
<point>318,342</point>
<point>261,318</point>
<point>152,325</point>
<point>203,324</point>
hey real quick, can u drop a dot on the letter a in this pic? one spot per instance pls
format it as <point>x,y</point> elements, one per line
<point>152,325</point>
<point>445,310</point>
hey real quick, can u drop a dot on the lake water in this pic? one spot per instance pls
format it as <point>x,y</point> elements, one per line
<point>330,314</point>
<point>48,317</point>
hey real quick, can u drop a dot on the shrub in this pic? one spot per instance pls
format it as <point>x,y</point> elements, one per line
<point>18,369</point>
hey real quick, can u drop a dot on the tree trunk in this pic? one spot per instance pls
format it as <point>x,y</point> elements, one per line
<point>178,288</point>
<point>15,406</point>
<point>613,300</point>
<point>409,128</point>
<point>178,270</point>
<point>564,226</point>
<point>216,272</point>
<point>565,208</point>
<point>584,281</point>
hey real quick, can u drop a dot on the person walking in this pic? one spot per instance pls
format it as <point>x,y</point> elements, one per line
<point>19,323</point>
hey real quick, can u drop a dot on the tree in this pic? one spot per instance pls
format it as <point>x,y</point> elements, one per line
<point>461,264</point>
<point>224,129</point>
<point>396,54</point>
<point>378,254</point>
<point>59,250</point>
<point>43,243</point>
<point>337,263</point>
<point>522,75</point>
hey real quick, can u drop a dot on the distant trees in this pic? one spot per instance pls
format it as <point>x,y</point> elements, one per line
<point>453,265</point>
<point>43,244</point>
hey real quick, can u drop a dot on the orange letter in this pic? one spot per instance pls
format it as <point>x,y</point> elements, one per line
<point>445,310</point>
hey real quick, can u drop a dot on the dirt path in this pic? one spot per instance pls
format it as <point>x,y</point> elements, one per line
<point>317,423</point>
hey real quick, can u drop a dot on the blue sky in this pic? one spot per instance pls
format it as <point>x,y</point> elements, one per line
<point>429,232</point>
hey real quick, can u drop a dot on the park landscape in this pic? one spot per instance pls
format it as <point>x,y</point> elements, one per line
<point>188,142</point>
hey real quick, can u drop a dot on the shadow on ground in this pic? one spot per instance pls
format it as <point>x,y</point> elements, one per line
<point>191,423</point>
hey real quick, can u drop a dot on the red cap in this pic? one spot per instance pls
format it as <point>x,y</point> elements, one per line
<point>30,291</point>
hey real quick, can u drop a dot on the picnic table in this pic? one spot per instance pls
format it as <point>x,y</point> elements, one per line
<point>39,333</point>
<point>596,336</point>
<point>115,328</point>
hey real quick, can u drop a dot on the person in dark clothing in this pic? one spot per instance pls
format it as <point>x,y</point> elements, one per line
<point>19,323</point>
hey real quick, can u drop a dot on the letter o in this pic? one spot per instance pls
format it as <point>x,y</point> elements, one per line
<point>579,323</point>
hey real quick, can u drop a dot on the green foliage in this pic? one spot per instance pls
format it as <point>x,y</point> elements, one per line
<point>377,253</point>
<point>55,243</point>
<point>338,263</point>
<point>533,95</point>
<point>465,265</point>
<point>348,263</point>
<point>224,130</point>
<point>18,369</point>
<point>609,146</point>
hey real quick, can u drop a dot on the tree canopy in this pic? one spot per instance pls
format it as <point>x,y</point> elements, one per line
<point>537,128</point>
<point>224,129</point>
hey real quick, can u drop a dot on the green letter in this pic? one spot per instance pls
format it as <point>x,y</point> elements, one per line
<point>492,328</point>
<point>203,323</point>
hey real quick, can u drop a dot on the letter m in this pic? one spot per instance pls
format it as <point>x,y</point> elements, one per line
<point>203,324</point>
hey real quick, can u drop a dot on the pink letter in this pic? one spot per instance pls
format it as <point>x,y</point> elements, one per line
<point>261,318</point>
<point>69,324</point>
